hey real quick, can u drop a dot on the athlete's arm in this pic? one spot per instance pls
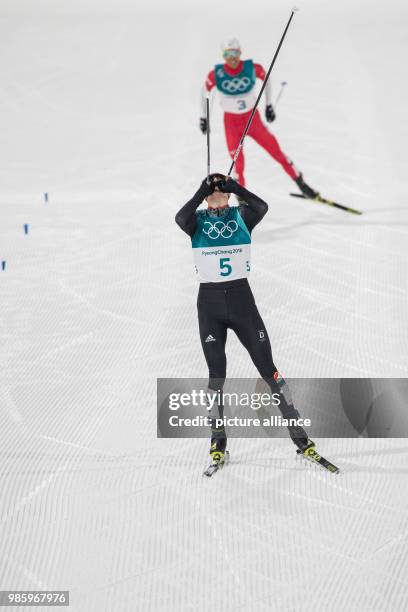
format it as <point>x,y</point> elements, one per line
<point>186,217</point>
<point>205,90</point>
<point>254,208</point>
<point>261,74</point>
<point>210,81</point>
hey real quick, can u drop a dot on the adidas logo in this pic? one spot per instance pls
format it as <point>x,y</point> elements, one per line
<point>210,338</point>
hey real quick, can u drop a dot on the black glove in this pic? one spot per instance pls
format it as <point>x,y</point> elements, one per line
<point>228,185</point>
<point>206,188</point>
<point>203,125</point>
<point>270,113</point>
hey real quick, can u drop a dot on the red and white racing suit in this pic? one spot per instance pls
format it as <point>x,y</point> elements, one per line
<point>236,120</point>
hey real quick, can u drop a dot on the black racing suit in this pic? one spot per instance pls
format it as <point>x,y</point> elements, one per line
<point>231,305</point>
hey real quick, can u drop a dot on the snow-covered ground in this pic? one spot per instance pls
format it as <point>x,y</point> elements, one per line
<point>99,108</point>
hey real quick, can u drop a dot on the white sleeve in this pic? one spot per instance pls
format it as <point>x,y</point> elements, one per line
<point>203,102</point>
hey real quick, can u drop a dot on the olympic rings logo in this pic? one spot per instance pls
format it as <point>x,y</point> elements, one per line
<point>219,228</point>
<point>236,84</point>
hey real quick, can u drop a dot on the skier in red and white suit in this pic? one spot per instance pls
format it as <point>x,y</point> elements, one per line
<point>235,81</point>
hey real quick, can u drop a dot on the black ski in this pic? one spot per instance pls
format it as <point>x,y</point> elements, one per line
<point>312,455</point>
<point>213,468</point>
<point>319,198</point>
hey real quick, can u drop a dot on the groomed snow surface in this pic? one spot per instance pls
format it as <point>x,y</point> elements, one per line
<point>99,108</point>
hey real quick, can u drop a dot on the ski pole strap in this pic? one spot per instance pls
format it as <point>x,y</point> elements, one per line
<point>248,125</point>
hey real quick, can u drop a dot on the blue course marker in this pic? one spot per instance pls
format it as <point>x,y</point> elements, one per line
<point>26,228</point>
<point>46,196</point>
<point>3,265</point>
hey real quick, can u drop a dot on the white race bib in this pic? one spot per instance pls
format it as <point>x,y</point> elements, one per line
<point>218,264</point>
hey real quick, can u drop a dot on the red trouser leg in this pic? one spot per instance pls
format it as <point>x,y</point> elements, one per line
<point>234,126</point>
<point>259,132</point>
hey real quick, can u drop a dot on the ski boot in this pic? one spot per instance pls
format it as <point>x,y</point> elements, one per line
<point>307,191</point>
<point>307,449</point>
<point>304,446</point>
<point>219,456</point>
<point>300,438</point>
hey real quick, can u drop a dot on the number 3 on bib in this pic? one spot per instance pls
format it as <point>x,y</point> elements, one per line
<point>225,267</point>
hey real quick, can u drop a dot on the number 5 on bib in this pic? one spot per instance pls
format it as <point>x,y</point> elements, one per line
<point>225,267</point>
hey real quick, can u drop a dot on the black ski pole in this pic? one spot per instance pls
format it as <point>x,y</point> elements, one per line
<point>241,142</point>
<point>208,140</point>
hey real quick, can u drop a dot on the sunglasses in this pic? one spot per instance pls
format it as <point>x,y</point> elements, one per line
<point>231,53</point>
